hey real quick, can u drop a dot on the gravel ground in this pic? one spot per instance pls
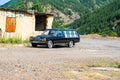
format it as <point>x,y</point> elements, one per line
<point>60,63</point>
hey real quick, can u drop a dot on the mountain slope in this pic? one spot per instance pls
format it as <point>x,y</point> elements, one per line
<point>66,11</point>
<point>105,21</point>
<point>75,5</point>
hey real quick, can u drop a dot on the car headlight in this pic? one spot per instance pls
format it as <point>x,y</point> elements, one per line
<point>44,39</point>
<point>31,38</point>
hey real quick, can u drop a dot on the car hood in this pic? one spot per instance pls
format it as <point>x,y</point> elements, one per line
<point>43,36</point>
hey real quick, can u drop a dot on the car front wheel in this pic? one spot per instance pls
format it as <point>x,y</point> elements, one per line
<point>70,44</point>
<point>50,44</point>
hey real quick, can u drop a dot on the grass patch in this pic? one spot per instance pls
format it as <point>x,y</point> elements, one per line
<point>14,41</point>
<point>11,40</point>
<point>119,66</point>
<point>111,64</point>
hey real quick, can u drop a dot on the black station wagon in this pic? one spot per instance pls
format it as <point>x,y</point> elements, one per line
<point>51,37</point>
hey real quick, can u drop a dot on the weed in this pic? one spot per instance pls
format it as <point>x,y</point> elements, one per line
<point>11,40</point>
<point>26,42</point>
<point>119,66</point>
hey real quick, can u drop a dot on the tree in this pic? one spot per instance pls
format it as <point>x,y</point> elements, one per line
<point>37,7</point>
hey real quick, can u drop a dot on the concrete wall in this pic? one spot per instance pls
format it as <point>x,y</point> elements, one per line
<point>2,22</point>
<point>49,21</point>
<point>25,26</point>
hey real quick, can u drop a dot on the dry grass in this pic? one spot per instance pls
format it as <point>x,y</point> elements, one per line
<point>92,75</point>
<point>81,71</point>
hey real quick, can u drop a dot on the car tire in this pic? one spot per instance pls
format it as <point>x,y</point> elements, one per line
<point>70,44</point>
<point>73,44</point>
<point>34,45</point>
<point>50,44</point>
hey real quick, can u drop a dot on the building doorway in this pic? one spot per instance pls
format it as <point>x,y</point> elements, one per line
<point>40,24</point>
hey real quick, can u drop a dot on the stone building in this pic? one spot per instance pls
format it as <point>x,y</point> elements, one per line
<point>23,24</point>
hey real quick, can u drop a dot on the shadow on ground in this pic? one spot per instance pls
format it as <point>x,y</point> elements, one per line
<point>43,46</point>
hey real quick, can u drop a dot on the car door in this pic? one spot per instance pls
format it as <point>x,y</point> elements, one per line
<point>59,38</point>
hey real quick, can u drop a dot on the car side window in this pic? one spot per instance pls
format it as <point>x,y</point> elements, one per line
<point>65,33</point>
<point>70,34</point>
<point>53,33</point>
<point>75,34</point>
<point>60,34</point>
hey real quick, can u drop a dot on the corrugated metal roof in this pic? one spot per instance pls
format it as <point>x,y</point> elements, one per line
<point>30,12</point>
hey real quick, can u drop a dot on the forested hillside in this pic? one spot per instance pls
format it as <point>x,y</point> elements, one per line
<point>90,16</point>
<point>66,11</point>
<point>105,21</point>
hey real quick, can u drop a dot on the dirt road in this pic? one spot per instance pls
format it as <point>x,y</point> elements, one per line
<point>61,63</point>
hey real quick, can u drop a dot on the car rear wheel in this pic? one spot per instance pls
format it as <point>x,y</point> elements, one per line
<point>70,44</point>
<point>34,45</point>
<point>50,44</point>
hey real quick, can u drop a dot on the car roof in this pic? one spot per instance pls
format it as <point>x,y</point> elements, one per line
<point>62,29</point>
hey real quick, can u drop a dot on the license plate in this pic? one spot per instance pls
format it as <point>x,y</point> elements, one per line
<point>35,41</point>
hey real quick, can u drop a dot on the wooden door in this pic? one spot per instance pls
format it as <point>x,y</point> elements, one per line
<point>10,24</point>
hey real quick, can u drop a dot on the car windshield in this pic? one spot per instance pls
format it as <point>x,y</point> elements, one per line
<point>46,32</point>
<point>50,32</point>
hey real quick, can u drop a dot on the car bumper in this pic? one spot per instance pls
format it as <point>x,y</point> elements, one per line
<point>39,42</point>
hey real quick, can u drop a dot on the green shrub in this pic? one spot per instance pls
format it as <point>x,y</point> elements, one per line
<point>108,33</point>
<point>113,34</point>
<point>2,40</point>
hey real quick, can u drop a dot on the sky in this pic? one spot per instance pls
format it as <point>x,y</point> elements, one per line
<point>3,1</point>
